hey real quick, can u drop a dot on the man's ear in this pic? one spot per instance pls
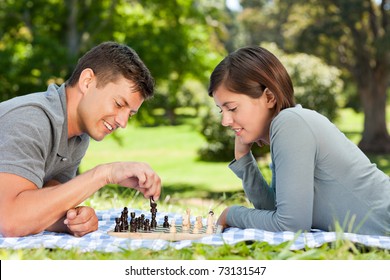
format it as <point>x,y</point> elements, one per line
<point>270,97</point>
<point>87,77</point>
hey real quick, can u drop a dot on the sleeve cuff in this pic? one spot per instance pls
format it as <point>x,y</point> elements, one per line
<point>239,166</point>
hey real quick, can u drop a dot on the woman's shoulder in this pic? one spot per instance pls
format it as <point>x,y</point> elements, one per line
<point>300,114</point>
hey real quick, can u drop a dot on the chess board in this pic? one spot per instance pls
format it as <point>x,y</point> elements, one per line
<point>162,233</point>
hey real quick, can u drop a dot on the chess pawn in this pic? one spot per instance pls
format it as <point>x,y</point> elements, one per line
<point>172,228</point>
<point>198,225</point>
<point>195,230</point>
<point>132,215</point>
<point>199,222</point>
<point>117,225</point>
<point>125,212</point>
<point>146,225</point>
<point>166,223</point>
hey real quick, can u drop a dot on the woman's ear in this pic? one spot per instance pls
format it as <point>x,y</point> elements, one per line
<point>87,77</point>
<point>270,98</point>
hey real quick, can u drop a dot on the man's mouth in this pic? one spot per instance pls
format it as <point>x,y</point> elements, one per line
<point>109,127</point>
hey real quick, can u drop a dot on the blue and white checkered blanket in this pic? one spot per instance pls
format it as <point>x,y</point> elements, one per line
<point>101,241</point>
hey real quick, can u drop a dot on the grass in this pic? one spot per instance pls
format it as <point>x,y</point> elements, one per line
<point>188,182</point>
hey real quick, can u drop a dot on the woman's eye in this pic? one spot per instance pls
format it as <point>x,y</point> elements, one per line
<point>232,109</point>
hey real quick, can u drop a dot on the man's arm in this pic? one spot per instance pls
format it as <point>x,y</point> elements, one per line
<point>25,209</point>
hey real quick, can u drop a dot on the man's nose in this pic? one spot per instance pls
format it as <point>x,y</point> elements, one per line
<point>122,118</point>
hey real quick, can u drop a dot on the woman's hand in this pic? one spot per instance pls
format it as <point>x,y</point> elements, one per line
<point>241,149</point>
<point>222,219</point>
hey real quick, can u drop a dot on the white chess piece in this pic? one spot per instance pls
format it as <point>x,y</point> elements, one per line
<point>199,222</point>
<point>210,223</point>
<point>186,221</point>
<point>172,228</point>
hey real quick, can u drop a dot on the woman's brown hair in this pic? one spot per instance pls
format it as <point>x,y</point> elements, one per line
<point>249,71</point>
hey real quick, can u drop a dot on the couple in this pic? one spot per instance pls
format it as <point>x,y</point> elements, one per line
<point>318,176</point>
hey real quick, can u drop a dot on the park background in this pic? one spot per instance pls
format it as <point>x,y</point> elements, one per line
<point>337,53</point>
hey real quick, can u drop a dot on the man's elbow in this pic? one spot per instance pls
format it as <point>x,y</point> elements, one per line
<point>10,229</point>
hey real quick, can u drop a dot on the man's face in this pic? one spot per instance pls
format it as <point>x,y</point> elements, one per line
<point>102,110</point>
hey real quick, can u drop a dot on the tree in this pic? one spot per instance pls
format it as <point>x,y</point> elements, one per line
<point>41,41</point>
<point>355,35</point>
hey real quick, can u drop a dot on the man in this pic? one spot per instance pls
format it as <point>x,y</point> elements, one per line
<point>45,135</point>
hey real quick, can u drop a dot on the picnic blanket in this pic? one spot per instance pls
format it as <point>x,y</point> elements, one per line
<point>103,242</point>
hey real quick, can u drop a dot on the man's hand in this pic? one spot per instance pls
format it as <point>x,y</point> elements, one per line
<point>81,220</point>
<point>136,175</point>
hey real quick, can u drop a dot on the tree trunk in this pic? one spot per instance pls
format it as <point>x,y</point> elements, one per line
<point>372,91</point>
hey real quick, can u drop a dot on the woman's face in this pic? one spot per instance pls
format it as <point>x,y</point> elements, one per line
<point>250,118</point>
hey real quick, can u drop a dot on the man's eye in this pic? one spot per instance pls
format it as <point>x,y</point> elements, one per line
<point>118,104</point>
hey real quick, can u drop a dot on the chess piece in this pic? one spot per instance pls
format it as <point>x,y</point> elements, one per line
<point>195,230</point>
<point>198,225</point>
<point>124,222</point>
<point>199,222</point>
<point>117,225</point>
<point>166,223</point>
<point>147,225</point>
<point>186,224</point>
<point>210,223</point>
<point>153,204</point>
<point>125,212</point>
<point>132,216</point>
<point>153,210</point>
<point>172,228</point>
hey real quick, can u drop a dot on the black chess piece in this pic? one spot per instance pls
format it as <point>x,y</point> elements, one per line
<point>166,223</point>
<point>146,225</point>
<point>117,225</point>
<point>153,204</point>
<point>133,225</point>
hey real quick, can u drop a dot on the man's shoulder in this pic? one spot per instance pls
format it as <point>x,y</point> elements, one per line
<point>35,104</point>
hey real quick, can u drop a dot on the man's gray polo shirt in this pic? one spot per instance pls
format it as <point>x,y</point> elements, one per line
<point>34,140</point>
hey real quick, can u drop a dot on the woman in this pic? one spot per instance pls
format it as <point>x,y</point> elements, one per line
<point>319,178</point>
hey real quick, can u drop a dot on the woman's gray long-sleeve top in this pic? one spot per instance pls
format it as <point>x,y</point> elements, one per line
<point>319,179</point>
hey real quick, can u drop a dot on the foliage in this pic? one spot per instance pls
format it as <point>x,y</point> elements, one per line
<point>42,40</point>
<point>317,86</point>
<point>353,35</point>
